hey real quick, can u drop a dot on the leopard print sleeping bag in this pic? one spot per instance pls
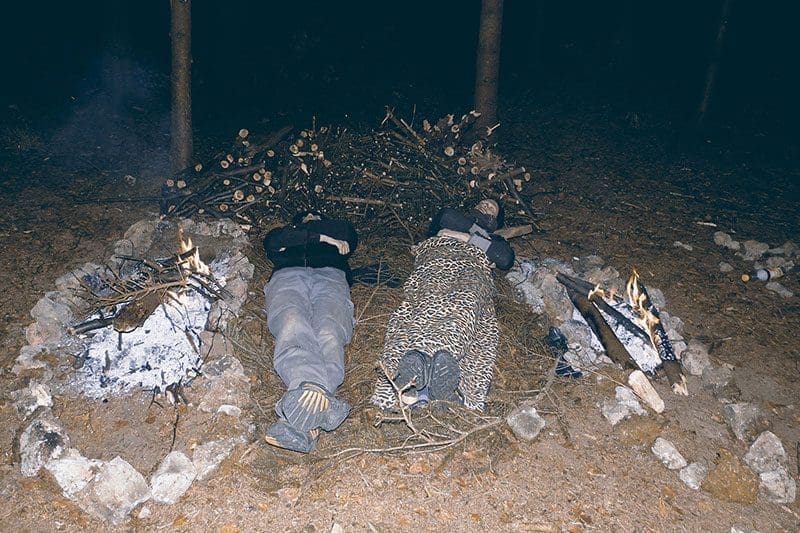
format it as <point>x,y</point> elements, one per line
<point>448,305</point>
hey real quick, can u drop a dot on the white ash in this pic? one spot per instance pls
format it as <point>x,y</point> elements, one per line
<point>164,351</point>
<point>641,351</point>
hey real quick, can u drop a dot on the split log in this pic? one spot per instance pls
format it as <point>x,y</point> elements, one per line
<point>514,231</point>
<point>586,288</point>
<point>615,350</point>
<point>672,366</point>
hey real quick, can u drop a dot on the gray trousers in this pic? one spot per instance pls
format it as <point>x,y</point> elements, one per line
<point>310,314</point>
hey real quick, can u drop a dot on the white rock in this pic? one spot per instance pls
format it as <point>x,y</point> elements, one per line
<point>746,420</point>
<point>695,358</point>
<point>723,239</point>
<point>32,397</point>
<point>645,391</point>
<point>766,453</point>
<point>614,412</point>
<point>230,410</point>
<point>779,289</point>
<point>207,457</point>
<point>44,439</point>
<point>525,422</point>
<point>668,454</point>
<point>777,486</point>
<point>115,491</point>
<point>754,249</point>
<point>624,404</point>
<point>628,398</point>
<point>173,478</point>
<point>725,267</point>
<point>73,471</point>
<point>693,475</point>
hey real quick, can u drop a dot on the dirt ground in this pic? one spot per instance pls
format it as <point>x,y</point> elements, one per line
<point>604,184</point>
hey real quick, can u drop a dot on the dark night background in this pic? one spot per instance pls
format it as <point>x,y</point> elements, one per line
<point>94,70</point>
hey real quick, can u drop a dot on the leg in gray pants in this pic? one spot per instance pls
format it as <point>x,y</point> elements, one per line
<point>310,314</point>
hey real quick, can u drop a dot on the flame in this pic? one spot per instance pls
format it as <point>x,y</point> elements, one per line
<point>597,291</point>
<point>193,262</point>
<point>609,295</point>
<point>639,303</point>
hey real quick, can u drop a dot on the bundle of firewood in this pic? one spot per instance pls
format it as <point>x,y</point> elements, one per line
<point>397,171</point>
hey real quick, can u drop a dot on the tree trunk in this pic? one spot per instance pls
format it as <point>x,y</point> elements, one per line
<point>713,64</point>
<point>181,38</point>
<point>488,62</point>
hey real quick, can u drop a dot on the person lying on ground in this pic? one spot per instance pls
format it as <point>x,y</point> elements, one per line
<point>310,314</point>
<point>441,342</point>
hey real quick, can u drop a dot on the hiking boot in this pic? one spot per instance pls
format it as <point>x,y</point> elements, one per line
<point>310,406</point>
<point>444,377</point>
<point>412,371</point>
<point>282,435</point>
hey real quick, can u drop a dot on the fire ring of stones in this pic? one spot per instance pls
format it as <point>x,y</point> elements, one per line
<point>150,323</point>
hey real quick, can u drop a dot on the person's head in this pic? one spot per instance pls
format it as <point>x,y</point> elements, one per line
<point>489,214</point>
<point>306,216</point>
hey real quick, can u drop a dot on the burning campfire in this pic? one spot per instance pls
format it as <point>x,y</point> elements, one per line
<point>641,304</point>
<point>629,331</point>
<point>145,328</point>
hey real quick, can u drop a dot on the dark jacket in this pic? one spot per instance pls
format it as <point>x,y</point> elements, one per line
<point>298,245</point>
<point>496,247</point>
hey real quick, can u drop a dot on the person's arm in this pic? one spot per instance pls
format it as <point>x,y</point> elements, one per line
<point>448,218</point>
<point>497,249</point>
<point>338,233</point>
<point>279,240</point>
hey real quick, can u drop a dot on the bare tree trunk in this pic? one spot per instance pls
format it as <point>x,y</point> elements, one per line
<point>488,62</point>
<point>713,64</point>
<point>181,38</point>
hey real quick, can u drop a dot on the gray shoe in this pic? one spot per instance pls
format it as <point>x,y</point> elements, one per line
<point>282,435</point>
<point>310,406</point>
<point>444,377</point>
<point>413,371</point>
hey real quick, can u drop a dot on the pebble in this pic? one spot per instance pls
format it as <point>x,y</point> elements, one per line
<point>668,454</point>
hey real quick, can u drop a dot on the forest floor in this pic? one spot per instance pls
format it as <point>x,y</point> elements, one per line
<point>623,187</point>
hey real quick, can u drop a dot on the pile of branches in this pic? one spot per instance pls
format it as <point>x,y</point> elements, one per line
<point>398,171</point>
<point>125,297</point>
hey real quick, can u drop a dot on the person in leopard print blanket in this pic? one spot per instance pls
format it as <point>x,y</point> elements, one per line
<point>441,341</point>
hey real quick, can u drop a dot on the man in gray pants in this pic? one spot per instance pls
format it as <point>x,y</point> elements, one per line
<point>310,314</point>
